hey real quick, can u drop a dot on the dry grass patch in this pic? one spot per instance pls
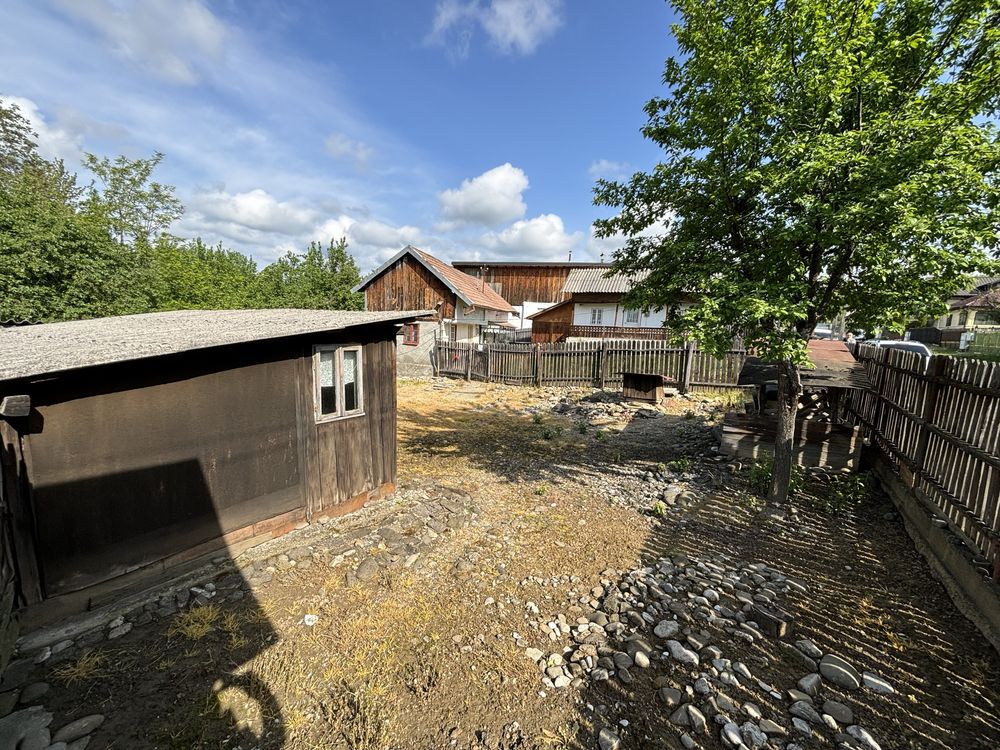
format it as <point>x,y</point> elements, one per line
<point>195,623</point>
<point>90,665</point>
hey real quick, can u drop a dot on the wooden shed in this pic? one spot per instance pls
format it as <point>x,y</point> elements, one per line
<point>142,443</point>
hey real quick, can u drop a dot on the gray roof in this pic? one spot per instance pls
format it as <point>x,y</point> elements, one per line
<point>30,351</point>
<point>594,280</point>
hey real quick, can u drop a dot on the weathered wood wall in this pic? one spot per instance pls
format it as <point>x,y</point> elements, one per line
<point>937,423</point>
<point>139,465</point>
<point>520,284</point>
<point>408,285</point>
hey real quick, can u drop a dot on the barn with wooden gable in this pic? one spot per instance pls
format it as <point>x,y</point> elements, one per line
<point>140,444</point>
<point>413,279</point>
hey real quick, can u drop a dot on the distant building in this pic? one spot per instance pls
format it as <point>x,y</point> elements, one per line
<point>593,307</point>
<point>529,286</point>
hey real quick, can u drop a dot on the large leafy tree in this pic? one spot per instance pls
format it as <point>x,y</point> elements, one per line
<point>57,260</point>
<point>820,157</point>
<point>192,275</point>
<point>316,279</point>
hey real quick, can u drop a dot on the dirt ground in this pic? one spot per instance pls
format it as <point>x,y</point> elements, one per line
<point>427,655</point>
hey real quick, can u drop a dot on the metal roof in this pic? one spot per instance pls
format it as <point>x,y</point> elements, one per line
<point>32,351</point>
<point>526,263</point>
<point>596,280</point>
<point>472,291</point>
<point>835,367</point>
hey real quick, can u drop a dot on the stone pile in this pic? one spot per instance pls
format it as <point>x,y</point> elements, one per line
<point>677,619</point>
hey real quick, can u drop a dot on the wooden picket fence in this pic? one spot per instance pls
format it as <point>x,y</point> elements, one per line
<point>590,363</point>
<point>937,421</point>
<point>986,342</point>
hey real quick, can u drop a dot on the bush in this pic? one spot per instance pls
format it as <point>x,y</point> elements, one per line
<point>761,471</point>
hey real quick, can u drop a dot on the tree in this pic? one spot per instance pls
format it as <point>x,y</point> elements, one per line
<point>192,275</point>
<point>821,156</point>
<point>137,208</point>
<point>316,279</point>
<point>57,261</point>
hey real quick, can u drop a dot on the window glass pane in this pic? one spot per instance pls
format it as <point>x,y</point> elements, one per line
<point>327,382</point>
<point>351,376</point>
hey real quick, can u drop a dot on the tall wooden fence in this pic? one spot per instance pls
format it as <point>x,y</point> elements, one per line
<point>986,342</point>
<point>592,363</point>
<point>938,422</point>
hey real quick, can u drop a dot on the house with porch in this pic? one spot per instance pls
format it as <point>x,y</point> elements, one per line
<point>593,308</point>
<point>969,310</point>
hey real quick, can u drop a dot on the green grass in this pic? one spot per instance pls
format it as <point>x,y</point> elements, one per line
<point>985,356</point>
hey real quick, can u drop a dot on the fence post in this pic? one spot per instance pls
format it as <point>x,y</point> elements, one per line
<point>934,374</point>
<point>468,361</point>
<point>538,364</point>
<point>489,356</point>
<point>688,364</point>
<point>604,363</point>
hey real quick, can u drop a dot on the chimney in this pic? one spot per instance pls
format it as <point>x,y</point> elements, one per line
<point>570,258</point>
<point>602,256</point>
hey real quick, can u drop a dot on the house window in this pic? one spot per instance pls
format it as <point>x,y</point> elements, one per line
<point>596,314</point>
<point>338,373</point>
<point>411,334</point>
<point>632,317</point>
<point>948,324</point>
<point>963,318</point>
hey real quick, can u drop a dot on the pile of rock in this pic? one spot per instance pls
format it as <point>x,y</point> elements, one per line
<point>676,618</point>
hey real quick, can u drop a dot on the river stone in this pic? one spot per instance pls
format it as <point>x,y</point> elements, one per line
<point>608,740</point>
<point>802,727</point>
<point>863,737</point>
<point>641,660</point>
<point>772,728</point>
<point>804,711</point>
<point>667,629</point>
<point>873,682</point>
<point>682,654</point>
<point>21,724</point>
<point>77,729</point>
<point>808,648</point>
<point>838,711</point>
<point>839,672</point>
<point>680,716</point>
<point>698,722</point>
<point>367,570</point>
<point>731,733</point>
<point>753,736</point>
<point>669,695</point>
<point>810,684</point>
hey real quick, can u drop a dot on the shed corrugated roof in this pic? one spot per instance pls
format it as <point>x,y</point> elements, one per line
<point>596,281</point>
<point>47,348</point>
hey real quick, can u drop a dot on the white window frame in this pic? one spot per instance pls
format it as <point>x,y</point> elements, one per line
<point>633,317</point>
<point>338,381</point>
<point>596,316</point>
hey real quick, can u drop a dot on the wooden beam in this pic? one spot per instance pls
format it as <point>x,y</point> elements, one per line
<point>15,406</point>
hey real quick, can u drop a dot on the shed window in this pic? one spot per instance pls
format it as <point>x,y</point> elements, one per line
<point>338,382</point>
<point>596,314</point>
<point>411,334</point>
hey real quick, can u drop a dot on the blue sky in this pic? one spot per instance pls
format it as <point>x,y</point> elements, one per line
<point>470,128</point>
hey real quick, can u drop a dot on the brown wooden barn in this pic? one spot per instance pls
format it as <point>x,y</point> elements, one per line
<point>413,279</point>
<point>137,444</point>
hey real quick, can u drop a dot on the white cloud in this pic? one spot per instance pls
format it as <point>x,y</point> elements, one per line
<point>256,209</point>
<point>491,198</point>
<point>169,38</point>
<point>54,142</point>
<point>513,26</point>
<point>608,170</point>
<point>339,146</point>
<point>543,237</point>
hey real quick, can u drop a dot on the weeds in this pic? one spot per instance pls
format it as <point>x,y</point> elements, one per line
<point>660,508</point>
<point>680,465</point>
<point>536,417</point>
<point>542,488</point>
<point>87,666</point>
<point>761,471</point>
<point>195,623</point>
<point>581,427</point>
<point>843,493</point>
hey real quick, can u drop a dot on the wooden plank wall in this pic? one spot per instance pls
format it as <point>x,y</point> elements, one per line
<point>938,423</point>
<point>592,363</point>
<point>408,285</point>
<point>518,284</point>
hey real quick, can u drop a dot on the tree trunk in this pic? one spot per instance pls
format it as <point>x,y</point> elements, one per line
<point>789,390</point>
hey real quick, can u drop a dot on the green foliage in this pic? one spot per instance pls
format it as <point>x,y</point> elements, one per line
<point>660,508</point>
<point>137,209</point>
<point>581,427</point>
<point>680,465</point>
<point>71,252</point>
<point>542,488</point>
<point>820,156</point>
<point>842,493</point>
<point>761,471</point>
<point>536,417</point>
<point>316,280</point>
